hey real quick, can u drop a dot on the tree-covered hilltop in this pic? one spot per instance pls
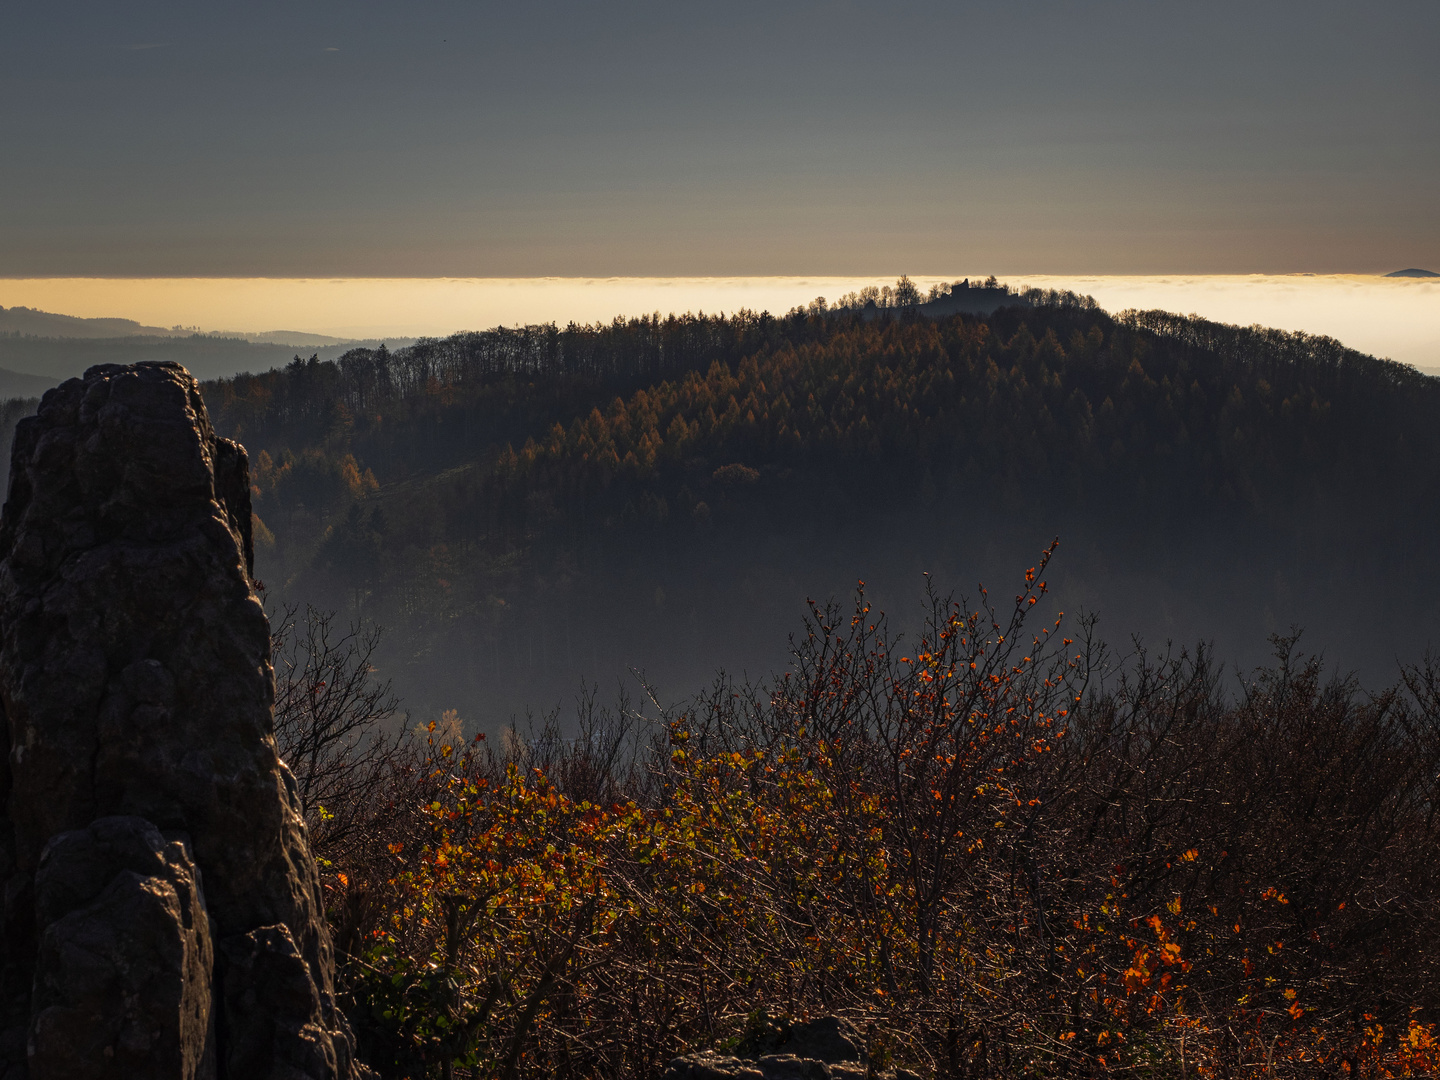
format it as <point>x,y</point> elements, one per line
<point>592,419</point>
<point>502,494</point>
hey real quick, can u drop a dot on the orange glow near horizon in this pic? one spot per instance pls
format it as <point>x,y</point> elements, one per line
<point>1398,318</point>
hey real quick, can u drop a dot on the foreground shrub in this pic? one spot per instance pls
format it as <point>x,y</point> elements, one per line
<point>1000,852</point>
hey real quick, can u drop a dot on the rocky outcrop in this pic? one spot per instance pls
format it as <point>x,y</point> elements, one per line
<point>713,1066</point>
<point>122,975</point>
<point>828,1048</point>
<point>162,913</point>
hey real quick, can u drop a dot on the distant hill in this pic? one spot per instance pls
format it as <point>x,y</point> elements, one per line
<point>31,322</point>
<point>1412,272</point>
<point>292,338</point>
<point>205,355</point>
<point>15,384</point>
<point>39,349</point>
<point>525,507</point>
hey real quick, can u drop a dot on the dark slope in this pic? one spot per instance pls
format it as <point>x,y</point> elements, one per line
<point>16,384</point>
<point>524,508</point>
<point>204,355</point>
<point>32,322</point>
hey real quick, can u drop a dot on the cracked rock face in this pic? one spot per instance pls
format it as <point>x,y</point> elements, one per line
<point>162,913</point>
<point>122,974</point>
<point>827,1048</point>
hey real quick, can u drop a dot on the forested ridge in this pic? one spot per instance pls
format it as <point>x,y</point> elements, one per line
<point>496,484</point>
<point>1059,403</point>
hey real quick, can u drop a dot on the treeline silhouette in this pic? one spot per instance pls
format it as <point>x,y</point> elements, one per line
<point>499,441</point>
<point>438,380</point>
<point>427,404</point>
<point>204,355</point>
<point>1181,415</point>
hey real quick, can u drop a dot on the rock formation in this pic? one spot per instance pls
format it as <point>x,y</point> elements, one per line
<point>828,1048</point>
<point>162,914</point>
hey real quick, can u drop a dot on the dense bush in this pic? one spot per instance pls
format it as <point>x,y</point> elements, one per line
<point>1001,850</point>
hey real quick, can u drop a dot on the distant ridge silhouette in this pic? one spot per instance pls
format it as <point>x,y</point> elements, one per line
<point>19,384</point>
<point>1413,273</point>
<point>36,323</point>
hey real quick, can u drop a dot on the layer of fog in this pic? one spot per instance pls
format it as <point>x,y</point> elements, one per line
<point>1391,317</point>
<point>678,620</point>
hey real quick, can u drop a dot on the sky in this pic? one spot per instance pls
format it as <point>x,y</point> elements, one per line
<point>320,139</point>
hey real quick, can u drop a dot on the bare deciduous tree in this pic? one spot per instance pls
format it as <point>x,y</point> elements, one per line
<point>332,717</point>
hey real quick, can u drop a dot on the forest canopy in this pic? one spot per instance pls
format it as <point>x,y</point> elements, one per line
<point>498,495</point>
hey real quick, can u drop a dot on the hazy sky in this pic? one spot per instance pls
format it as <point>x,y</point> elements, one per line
<point>315,138</point>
